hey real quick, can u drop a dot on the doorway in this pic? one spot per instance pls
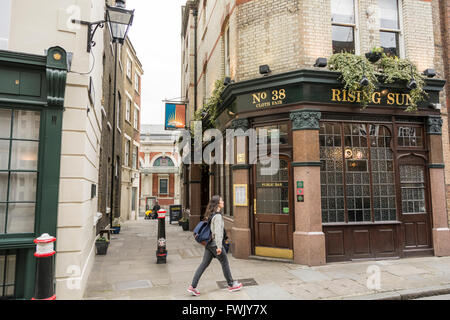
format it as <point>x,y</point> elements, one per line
<point>273,212</point>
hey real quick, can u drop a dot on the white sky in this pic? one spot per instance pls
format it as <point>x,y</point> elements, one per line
<point>156,36</point>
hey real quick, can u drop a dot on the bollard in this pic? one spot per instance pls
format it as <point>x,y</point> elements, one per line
<point>45,274</point>
<point>161,252</point>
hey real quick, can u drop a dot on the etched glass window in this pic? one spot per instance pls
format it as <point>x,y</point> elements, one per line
<point>383,179</point>
<point>412,181</point>
<point>357,190</point>
<point>332,172</point>
<point>410,136</point>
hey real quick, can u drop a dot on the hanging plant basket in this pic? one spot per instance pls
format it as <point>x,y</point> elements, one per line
<point>373,56</point>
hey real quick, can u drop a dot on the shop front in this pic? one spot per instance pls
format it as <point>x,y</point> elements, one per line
<point>31,107</point>
<point>353,182</point>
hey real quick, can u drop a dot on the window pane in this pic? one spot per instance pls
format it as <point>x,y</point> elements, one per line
<point>20,217</point>
<point>3,186</point>
<point>389,42</point>
<point>272,194</point>
<point>24,155</point>
<point>410,137</point>
<point>2,217</point>
<point>342,11</point>
<point>23,186</point>
<point>26,124</point>
<point>389,14</point>
<point>5,123</point>
<point>413,189</point>
<point>163,186</point>
<point>343,39</point>
<point>4,154</point>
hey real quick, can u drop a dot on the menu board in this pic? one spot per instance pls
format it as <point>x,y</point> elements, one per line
<point>240,195</point>
<point>175,212</point>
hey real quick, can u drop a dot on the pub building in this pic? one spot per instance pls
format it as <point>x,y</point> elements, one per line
<point>353,182</point>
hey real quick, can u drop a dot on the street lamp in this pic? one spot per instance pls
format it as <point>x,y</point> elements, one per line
<point>119,21</point>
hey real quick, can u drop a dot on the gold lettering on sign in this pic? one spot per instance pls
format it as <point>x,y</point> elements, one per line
<point>400,99</point>
<point>261,99</point>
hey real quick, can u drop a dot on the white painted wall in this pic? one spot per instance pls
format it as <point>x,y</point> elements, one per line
<point>44,24</point>
<point>5,20</point>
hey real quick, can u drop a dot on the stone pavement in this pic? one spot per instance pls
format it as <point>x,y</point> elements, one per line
<point>129,271</point>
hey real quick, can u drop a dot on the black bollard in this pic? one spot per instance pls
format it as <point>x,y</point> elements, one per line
<point>161,252</point>
<point>45,272</point>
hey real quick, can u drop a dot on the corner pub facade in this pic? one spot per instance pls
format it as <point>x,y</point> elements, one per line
<point>371,180</point>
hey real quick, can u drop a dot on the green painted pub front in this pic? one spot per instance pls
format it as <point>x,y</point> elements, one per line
<point>32,91</point>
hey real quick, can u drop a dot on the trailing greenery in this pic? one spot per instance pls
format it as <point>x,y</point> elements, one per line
<point>396,69</point>
<point>386,70</point>
<point>209,112</point>
<point>353,68</point>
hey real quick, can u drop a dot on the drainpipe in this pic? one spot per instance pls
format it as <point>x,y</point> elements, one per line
<point>195,13</point>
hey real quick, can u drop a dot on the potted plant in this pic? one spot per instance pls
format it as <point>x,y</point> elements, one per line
<point>101,245</point>
<point>116,226</point>
<point>375,54</point>
<point>185,224</point>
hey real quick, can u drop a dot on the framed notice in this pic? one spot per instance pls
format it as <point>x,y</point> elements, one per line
<point>240,195</point>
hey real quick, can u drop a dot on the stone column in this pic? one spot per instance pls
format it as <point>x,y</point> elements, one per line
<point>194,194</point>
<point>440,229</point>
<point>308,240</point>
<point>240,232</point>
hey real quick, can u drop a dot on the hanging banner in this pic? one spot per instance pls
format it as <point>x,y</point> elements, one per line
<point>175,116</point>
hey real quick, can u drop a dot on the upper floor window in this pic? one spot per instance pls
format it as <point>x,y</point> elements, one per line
<point>128,110</point>
<point>127,154</point>
<point>163,162</point>
<point>137,80</point>
<point>129,66</point>
<point>136,118</point>
<point>390,27</point>
<point>5,16</point>
<point>227,51</point>
<point>135,156</point>
<point>343,20</point>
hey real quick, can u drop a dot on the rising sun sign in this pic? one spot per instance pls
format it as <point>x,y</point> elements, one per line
<point>175,116</point>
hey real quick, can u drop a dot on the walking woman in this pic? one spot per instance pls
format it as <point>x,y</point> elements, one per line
<point>214,248</point>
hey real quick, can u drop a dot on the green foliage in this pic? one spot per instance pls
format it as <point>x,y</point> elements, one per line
<point>377,49</point>
<point>396,69</point>
<point>102,239</point>
<point>209,112</point>
<point>353,68</point>
<point>387,70</point>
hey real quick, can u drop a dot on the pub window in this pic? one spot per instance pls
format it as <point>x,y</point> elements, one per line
<point>357,175</point>
<point>19,146</point>
<point>390,27</point>
<point>281,134</point>
<point>343,25</point>
<point>163,186</point>
<point>412,179</point>
<point>409,136</point>
<point>7,274</point>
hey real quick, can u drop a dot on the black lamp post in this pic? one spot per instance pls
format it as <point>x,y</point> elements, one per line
<point>119,21</point>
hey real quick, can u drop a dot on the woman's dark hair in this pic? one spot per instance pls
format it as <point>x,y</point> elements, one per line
<point>212,207</point>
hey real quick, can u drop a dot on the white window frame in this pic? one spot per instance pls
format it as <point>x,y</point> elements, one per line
<point>226,54</point>
<point>134,157</point>
<point>126,162</point>
<point>159,185</point>
<point>355,26</point>
<point>129,68</point>
<point>401,40</point>
<point>128,110</point>
<point>5,9</point>
<point>136,118</point>
<point>137,81</point>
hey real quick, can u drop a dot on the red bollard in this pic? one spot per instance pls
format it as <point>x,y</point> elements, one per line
<point>161,252</point>
<point>45,274</point>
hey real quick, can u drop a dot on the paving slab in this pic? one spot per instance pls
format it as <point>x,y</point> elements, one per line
<point>309,275</point>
